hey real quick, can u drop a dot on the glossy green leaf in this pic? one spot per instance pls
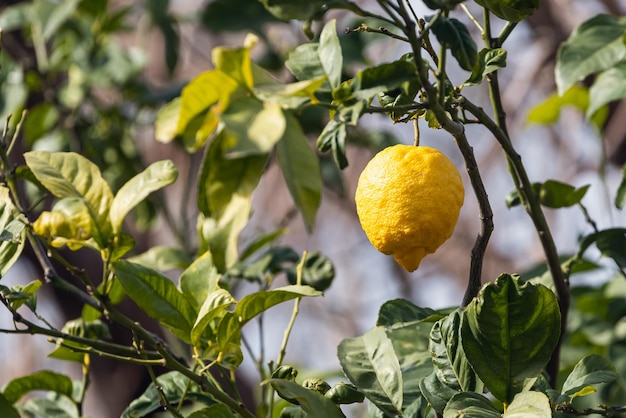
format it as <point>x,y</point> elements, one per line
<point>224,181</point>
<point>401,310</point>
<point>6,408</point>
<point>70,175</point>
<point>134,191</point>
<point>206,90</point>
<point>12,243</point>
<point>454,35</point>
<point>594,46</point>
<point>301,171</point>
<point>529,405</point>
<point>470,405</point>
<point>371,364</point>
<point>253,304</point>
<point>253,127</point>
<point>215,303</point>
<point>330,54</point>
<point>620,196</point>
<point>451,365</point>
<point>609,86</point>
<point>489,60</point>
<point>40,380</point>
<point>199,280</point>
<point>549,111</point>
<point>39,121</point>
<point>166,123</point>
<point>311,402</point>
<point>174,386</point>
<point>318,272</point>
<point>157,296</point>
<point>590,370</point>
<point>163,258</point>
<point>509,332</point>
<point>435,392</point>
<point>53,407</point>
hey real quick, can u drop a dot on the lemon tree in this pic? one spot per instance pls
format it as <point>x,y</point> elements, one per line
<point>408,201</point>
<point>520,345</point>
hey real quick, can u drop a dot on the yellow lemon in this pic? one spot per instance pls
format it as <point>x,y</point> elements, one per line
<point>408,200</point>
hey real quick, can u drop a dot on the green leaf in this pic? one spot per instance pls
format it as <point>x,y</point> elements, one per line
<point>221,237</point>
<point>594,46</point>
<point>451,365</point>
<point>41,380</point>
<point>304,63</point>
<point>225,181</point>
<point>333,137</point>
<point>548,111</point>
<point>216,302</point>
<point>199,280</point>
<point>371,364</point>
<point>470,405</point>
<point>554,194</point>
<point>620,196</point>
<point>213,411</point>
<point>166,123</point>
<point>510,10</point>
<point>383,78</point>
<point>6,408</point>
<point>163,258</point>
<point>55,407</point>
<point>203,92</point>
<point>609,86</point>
<point>235,62</point>
<point>454,35</point>
<point>401,310</point>
<point>435,392</point>
<point>50,15</point>
<point>70,175</point>
<point>157,296</point>
<point>312,403</point>
<point>529,405</point>
<point>134,191</point>
<point>253,127</point>
<point>12,244</point>
<point>330,53</point>
<point>294,9</point>
<point>260,242</point>
<point>174,386</point>
<point>253,304</point>
<point>611,243</point>
<point>590,370</point>
<point>489,60</point>
<point>40,120</point>
<point>301,170</point>
<point>509,332</point>
<point>221,16</point>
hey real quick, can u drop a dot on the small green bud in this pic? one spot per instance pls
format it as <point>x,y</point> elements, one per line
<point>317,385</point>
<point>285,372</point>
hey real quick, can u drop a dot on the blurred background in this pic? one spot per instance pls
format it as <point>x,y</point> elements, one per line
<point>94,85</point>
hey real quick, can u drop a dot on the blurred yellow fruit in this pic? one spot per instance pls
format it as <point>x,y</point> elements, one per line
<point>408,200</point>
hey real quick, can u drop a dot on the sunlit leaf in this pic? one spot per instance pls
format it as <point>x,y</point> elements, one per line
<point>215,303</point>
<point>134,191</point>
<point>591,370</point>
<point>12,245</point>
<point>166,124</point>
<point>70,175</point>
<point>163,258</point>
<point>330,53</point>
<point>199,280</point>
<point>529,405</point>
<point>235,63</point>
<point>609,86</point>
